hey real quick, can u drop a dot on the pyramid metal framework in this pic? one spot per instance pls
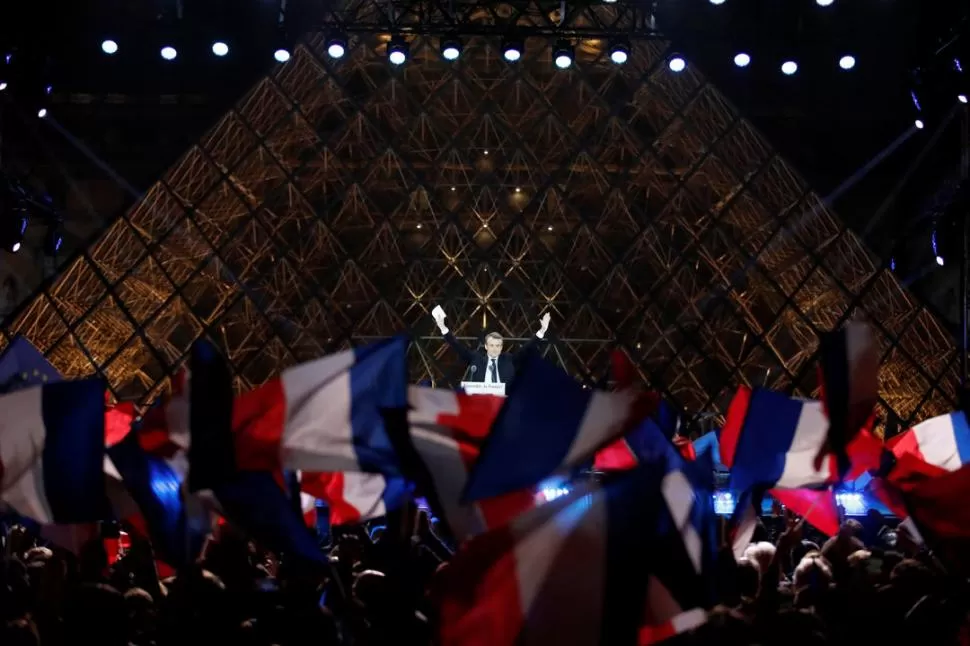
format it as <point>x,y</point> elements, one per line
<point>339,201</point>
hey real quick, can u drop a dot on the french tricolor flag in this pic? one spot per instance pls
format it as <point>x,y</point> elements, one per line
<point>446,432</point>
<point>549,423</point>
<point>625,562</point>
<point>772,440</point>
<point>942,441</point>
<point>354,497</point>
<point>175,521</point>
<point>164,428</point>
<point>255,500</point>
<point>52,452</point>
<point>848,373</point>
<point>656,433</point>
<point>325,415</point>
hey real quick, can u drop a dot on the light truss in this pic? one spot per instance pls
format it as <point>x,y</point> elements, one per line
<point>580,20</point>
<point>341,200</point>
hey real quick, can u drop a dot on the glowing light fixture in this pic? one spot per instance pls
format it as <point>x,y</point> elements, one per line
<point>562,54</point>
<point>397,50</point>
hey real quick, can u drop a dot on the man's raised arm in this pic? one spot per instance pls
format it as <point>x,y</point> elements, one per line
<point>439,318</point>
<point>540,335</point>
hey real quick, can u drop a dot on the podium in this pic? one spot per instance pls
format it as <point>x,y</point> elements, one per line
<point>483,388</point>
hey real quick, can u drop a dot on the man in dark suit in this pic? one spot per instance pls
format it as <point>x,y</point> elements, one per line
<point>493,366</point>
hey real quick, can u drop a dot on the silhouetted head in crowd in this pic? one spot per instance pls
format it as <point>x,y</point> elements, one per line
<point>748,578</point>
<point>724,627</point>
<point>850,529</point>
<point>19,632</point>
<point>801,550</point>
<point>96,613</point>
<point>761,554</point>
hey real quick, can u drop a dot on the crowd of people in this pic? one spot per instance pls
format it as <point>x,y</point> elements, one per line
<point>871,582</point>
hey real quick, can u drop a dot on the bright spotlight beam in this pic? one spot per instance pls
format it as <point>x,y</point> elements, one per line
<point>169,53</point>
<point>281,55</point>
<point>789,67</point>
<point>742,59</point>
<point>220,49</point>
<point>677,64</point>
<point>847,62</point>
<point>109,46</point>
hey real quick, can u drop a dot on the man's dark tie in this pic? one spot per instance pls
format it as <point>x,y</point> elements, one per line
<point>491,368</point>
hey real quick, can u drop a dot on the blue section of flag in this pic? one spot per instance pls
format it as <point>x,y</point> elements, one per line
<point>73,456</point>
<point>378,382</point>
<point>22,366</point>
<point>532,434</point>
<point>709,443</point>
<point>961,435</point>
<point>211,453</point>
<point>648,443</point>
<point>156,487</point>
<point>769,429</point>
<point>255,501</point>
<point>667,419</point>
<point>643,541</point>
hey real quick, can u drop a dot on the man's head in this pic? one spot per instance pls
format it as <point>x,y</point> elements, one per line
<point>493,344</point>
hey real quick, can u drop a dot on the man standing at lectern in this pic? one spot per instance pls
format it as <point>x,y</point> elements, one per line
<point>492,367</point>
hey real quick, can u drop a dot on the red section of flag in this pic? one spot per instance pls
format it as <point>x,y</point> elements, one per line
<point>734,424</point>
<point>685,447</point>
<point>480,605</point>
<point>117,422</point>
<point>818,508</point>
<point>624,374</point>
<point>615,457</point>
<point>258,418</point>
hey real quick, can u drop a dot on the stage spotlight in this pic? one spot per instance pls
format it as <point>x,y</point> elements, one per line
<point>169,53</point>
<point>53,240</point>
<point>824,3</point>
<point>962,98</point>
<point>42,113</point>
<point>397,50</point>
<point>281,55</point>
<point>789,67</point>
<point>620,52</point>
<point>512,49</point>
<point>3,86</point>
<point>847,62</point>
<point>109,46</point>
<point>220,49</point>
<point>609,1</point>
<point>14,228</point>
<point>336,46</point>
<point>919,124</point>
<point>451,48</point>
<point>562,54</point>
<point>939,261</point>
<point>742,59</point>
<point>717,1</point>
<point>677,63</point>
